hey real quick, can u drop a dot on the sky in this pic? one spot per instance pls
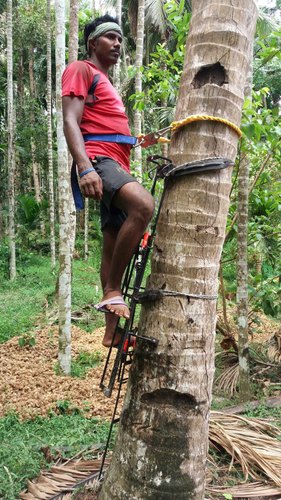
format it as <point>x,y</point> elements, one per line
<point>266,3</point>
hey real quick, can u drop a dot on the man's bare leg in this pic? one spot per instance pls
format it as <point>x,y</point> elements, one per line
<point>109,238</point>
<point>139,206</point>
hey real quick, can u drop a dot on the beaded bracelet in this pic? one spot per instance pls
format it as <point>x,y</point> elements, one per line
<point>91,169</point>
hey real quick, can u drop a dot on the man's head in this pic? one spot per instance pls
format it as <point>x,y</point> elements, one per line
<point>100,27</point>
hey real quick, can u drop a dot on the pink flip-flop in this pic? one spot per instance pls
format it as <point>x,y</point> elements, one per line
<point>113,301</point>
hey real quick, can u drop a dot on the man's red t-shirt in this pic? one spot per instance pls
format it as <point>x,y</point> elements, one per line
<point>103,113</point>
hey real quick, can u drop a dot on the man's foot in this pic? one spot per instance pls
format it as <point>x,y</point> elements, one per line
<point>114,303</point>
<point>109,333</point>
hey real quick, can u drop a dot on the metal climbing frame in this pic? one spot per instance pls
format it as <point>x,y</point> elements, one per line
<point>132,286</point>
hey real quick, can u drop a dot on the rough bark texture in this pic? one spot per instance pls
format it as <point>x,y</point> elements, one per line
<point>138,82</point>
<point>64,188</point>
<point>50,142</point>
<point>162,443</point>
<point>11,151</point>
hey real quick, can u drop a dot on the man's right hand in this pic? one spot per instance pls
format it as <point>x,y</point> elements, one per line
<point>91,185</point>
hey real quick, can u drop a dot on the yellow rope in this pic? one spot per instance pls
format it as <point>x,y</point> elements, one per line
<point>163,140</point>
<point>196,118</point>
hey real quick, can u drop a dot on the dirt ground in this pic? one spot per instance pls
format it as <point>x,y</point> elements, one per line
<point>30,387</point>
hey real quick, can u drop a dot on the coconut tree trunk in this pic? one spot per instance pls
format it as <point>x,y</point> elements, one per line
<point>138,81</point>
<point>64,212</point>
<point>162,443</point>
<point>50,134</point>
<point>242,265</point>
<point>11,150</point>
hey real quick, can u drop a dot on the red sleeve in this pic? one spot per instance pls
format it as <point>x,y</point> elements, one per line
<point>76,79</point>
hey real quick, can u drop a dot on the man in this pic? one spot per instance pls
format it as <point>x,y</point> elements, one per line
<point>93,114</point>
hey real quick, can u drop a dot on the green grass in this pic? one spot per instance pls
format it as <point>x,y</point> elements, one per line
<point>82,363</point>
<point>21,457</point>
<point>264,412</point>
<point>23,301</point>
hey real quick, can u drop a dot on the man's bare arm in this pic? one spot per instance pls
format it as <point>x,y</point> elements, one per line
<point>90,184</point>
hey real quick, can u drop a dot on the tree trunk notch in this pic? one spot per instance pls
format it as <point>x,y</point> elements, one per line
<point>162,444</point>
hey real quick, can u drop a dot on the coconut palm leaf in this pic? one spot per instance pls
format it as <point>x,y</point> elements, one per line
<point>155,15</point>
<point>62,478</point>
<point>251,443</point>
<point>251,490</point>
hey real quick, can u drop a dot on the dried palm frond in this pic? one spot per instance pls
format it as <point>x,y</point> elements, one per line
<point>61,479</point>
<point>251,490</point>
<point>227,381</point>
<point>274,348</point>
<point>249,442</point>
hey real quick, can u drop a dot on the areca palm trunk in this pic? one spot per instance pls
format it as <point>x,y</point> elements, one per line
<point>162,443</point>
<point>73,31</point>
<point>242,266</point>
<point>50,134</point>
<point>138,81</point>
<point>64,212</point>
<point>117,67</point>
<point>35,165</point>
<point>11,151</point>
<point>72,56</point>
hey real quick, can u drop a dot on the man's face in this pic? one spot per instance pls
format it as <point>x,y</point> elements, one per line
<point>107,47</point>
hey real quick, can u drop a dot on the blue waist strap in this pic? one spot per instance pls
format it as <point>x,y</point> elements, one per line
<point>121,139</point>
<point>78,200</point>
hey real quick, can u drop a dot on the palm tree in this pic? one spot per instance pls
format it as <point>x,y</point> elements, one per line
<point>242,263</point>
<point>35,165</point>
<point>73,31</point>
<point>264,27</point>
<point>138,81</point>
<point>50,143</point>
<point>64,212</point>
<point>117,67</point>
<point>162,443</point>
<point>72,56</point>
<point>11,151</point>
